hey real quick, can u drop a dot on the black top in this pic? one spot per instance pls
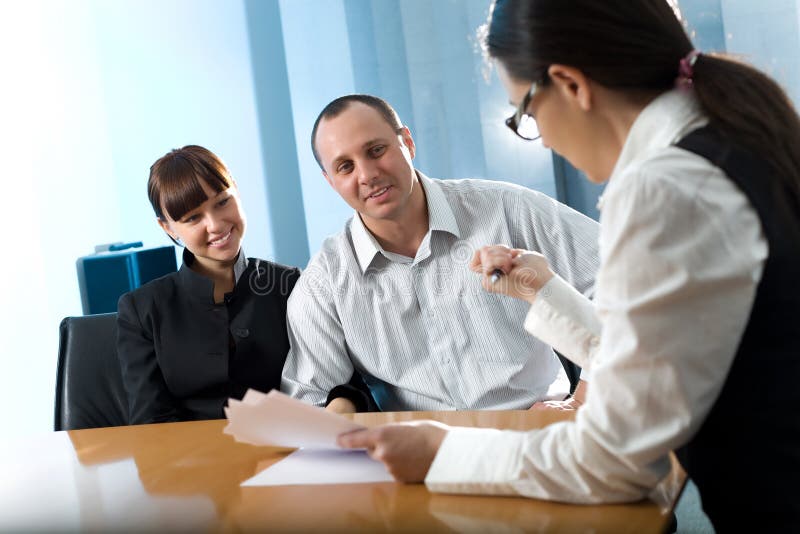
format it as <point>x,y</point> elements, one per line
<point>182,355</point>
<point>745,458</point>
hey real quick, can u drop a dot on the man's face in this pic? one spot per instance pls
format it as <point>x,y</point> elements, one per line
<point>367,162</point>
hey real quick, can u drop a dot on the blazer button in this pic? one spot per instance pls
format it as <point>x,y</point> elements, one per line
<point>242,332</point>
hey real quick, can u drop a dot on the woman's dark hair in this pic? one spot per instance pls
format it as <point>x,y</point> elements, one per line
<point>174,185</point>
<point>637,45</point>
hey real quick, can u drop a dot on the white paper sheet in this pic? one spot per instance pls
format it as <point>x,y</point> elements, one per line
<point>331,466</point>
<point>278,420</point>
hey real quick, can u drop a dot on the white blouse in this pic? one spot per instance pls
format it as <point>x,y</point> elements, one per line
<point>681,254</point>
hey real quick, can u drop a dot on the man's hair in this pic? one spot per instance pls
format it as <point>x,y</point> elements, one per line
<point>337,106</point>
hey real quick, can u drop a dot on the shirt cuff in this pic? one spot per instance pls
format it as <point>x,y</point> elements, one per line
<point>476,460</point>
<point>566,320</point>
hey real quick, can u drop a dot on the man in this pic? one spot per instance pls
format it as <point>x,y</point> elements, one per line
<point>392,296</point>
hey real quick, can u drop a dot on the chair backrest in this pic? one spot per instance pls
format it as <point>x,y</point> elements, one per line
<point>89,388</point>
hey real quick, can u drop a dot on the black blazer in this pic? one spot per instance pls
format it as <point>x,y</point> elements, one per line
<point>182,355</point>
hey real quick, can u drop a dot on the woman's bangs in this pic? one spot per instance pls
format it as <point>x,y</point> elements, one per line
<point>182,191</point>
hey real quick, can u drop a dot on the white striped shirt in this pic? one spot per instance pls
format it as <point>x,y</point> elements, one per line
<point>421,331</point>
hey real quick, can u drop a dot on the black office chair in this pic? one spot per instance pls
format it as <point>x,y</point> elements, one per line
<point>89,389</point>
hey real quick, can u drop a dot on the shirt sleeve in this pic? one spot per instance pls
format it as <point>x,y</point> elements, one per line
<point>675,291</point>
<point>567,238</point>
<point>149,399</point>
<point>318,360</point>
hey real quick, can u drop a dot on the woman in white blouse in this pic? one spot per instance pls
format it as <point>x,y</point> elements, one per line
<point>689,340</point>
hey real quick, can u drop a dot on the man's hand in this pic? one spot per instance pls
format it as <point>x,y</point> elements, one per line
<point>407,449</point>
<point>524,272</point>
<point>571,403</point>
<point>341,405</point>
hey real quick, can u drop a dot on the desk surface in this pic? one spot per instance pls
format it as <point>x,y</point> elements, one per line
<point>186,476</point>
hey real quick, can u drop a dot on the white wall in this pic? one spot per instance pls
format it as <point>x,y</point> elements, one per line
<point>92,94</point>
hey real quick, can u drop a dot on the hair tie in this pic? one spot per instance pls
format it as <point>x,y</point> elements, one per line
<point>686,70</point>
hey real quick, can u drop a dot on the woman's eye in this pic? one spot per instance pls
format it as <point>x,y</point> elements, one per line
<point>191,218</point>
<point>223,201</point>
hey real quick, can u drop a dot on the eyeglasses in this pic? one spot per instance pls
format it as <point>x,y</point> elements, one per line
<point>522,123</point>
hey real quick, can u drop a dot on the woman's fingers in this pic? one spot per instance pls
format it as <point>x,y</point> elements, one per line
<point>358,439</point>
<point>493,258</point>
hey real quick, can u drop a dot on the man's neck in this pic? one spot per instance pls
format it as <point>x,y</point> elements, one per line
<point>403,235</point>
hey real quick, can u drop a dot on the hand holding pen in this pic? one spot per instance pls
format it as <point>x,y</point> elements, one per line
<point>514,272</point>
<point>496,274</point>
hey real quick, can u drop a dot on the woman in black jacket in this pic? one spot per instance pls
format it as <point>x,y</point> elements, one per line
<point>190,340</point>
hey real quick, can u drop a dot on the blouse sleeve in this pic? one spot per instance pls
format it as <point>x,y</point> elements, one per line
<point>566,320</point>
<point>678,279</point>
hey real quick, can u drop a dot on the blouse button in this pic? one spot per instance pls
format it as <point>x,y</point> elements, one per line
<point>242,332</point>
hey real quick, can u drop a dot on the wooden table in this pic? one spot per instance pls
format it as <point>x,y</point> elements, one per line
<point>186,477</point>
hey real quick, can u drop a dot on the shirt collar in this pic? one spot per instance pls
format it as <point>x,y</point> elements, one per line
<point>440,218</point>
<point>440,213</point>
<point>662,123</point>
<point>201,286</point>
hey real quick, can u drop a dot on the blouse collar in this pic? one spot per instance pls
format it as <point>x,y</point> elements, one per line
<point>201,286</point>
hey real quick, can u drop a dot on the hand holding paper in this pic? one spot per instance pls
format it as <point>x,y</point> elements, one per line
<point>278,420</point>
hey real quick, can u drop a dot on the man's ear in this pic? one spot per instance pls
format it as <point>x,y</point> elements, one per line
<point>408,141</point>
<point>572,84</point>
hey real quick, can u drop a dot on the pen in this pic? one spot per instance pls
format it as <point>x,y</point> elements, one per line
<point>496,274</point>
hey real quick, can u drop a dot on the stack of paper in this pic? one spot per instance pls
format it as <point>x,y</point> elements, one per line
<point>280,421</point>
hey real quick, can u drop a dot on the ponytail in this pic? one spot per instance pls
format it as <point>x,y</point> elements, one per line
<point>750,110</point>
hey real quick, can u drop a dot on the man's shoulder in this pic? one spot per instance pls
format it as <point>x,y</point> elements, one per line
<point>334,256</point>
<point>335,247</point>
<point>487,188</point>
<point>480,194</point>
